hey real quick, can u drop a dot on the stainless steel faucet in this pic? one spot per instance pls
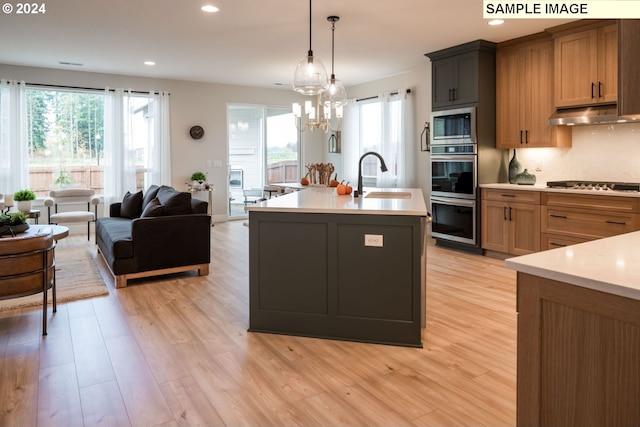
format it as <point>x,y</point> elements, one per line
<point>383,168</point>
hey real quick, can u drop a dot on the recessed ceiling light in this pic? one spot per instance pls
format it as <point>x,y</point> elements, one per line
<point>496,22</point>
<point>75,64</point>
<point>209,8</point>
<point>149,63</point>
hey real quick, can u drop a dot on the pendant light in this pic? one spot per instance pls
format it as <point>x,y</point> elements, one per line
<point>335,97</point>
<point>310,77</point>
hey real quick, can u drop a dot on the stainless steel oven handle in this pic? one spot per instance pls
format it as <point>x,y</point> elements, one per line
<point>457,157</point>
<point>456,202</point>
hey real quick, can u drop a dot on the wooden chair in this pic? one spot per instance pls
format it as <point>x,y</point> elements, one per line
<point>68,196</point>
<point>27,267</point>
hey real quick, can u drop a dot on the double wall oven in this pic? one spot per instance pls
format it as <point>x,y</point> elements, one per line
<point>454,175</point>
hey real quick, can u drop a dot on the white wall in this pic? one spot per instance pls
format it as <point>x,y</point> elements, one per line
<point>598,152</point>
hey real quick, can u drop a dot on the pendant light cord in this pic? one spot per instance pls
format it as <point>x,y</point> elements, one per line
<point>310,51</point>
<point>333,37</point>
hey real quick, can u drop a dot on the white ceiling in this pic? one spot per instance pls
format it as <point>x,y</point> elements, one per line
<point>249,42</point>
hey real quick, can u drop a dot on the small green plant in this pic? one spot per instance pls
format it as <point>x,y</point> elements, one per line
<point>24,195</point>
<point>198,176</point>
<point>13,218</point>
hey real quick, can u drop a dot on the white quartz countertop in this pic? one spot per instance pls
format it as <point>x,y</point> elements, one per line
<point>610,265</point>
<point>543,187</point>
<point>326,200</point>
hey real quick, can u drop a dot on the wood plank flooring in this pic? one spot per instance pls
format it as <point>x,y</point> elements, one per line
<point>175,351</point>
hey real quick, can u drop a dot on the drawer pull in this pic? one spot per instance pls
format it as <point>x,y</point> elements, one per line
<point>557,244</point>
<point>558,216</point>
<point>616,222</point>
<point>508,195</point>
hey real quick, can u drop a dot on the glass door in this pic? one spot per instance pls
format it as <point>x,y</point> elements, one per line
<point>263,149</point>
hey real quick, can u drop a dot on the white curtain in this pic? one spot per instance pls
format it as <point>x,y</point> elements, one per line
<point>14,173</point>
<point>119,154</point>
<point>123,140</point>
<point>407,149</point>
<point>159,147</point>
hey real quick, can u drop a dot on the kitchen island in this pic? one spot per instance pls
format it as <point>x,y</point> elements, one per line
<point>579,334</point>
<point>339,267</point>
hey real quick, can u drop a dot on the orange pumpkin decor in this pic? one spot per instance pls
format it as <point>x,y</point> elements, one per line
<point>304,180</point>
<point>348,188</point>
<point>341,189</point>
<point>334,182</point>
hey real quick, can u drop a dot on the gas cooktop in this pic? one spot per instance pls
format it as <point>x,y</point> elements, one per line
<point>595,185</point>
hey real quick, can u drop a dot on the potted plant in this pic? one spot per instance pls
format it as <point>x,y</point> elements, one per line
<point>12,223</point>
<point>24,199</point>
<point>198,178</point>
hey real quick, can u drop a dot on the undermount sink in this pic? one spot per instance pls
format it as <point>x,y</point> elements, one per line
<point>388,195</point>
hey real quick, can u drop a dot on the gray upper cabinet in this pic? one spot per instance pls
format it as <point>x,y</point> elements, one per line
<point>458,72</point>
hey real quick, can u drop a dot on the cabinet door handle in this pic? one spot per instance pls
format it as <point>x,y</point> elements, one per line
<point>504,213</point>
<point>599,89</point>
<point>510,216</point>
<point>450,95</point>
<point>557,244</point>
<point>526,136</point>
<point>454,94</point>
<point>558,216</point>
<point>593,85</point>
<point>616,222</point>
<point>521,137</point>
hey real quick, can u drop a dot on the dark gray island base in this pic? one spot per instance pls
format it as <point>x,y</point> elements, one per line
<point>312,275</point>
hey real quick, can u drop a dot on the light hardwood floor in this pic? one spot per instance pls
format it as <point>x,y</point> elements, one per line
<point>175,351</point>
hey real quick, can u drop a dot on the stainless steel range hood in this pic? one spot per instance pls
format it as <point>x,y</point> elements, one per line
<point>597,114</point>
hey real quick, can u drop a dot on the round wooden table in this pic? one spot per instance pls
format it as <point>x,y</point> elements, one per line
<point>59,231</point>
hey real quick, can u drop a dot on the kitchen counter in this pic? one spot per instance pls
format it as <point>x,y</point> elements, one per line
<point>543,187</point>
<point>326,200</point>
<point>339,267</point>
<point>610,265</point>
<point>579,333</point>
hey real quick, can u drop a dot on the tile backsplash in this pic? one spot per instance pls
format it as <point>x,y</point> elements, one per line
<point>598,152</point>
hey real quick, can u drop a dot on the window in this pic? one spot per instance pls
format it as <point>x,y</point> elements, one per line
<point>382,124</point>
<point>112,141</point>
<point>263,149</point>
<point>64,139</point>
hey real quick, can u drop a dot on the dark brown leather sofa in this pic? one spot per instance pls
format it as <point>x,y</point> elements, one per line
<point>159,232</point>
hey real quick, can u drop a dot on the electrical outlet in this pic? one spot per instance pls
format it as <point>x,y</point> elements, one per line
<point>375,240</point>
<point>217,163</point>
<point>208,163</point>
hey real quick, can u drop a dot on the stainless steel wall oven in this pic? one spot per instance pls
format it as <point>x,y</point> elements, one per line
<point>454,183</point>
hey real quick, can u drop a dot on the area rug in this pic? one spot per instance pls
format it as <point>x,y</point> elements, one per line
<point>77,276</point>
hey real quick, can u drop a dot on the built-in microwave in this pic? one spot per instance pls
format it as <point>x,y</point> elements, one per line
<point>454,126</point>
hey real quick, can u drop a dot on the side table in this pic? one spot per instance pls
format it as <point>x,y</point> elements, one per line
<point>33,214</point>
<point>209,190</point>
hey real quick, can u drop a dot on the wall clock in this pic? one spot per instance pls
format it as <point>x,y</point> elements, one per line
<point>196,132</point>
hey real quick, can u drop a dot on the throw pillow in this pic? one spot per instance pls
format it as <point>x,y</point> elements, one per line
<point>153,208</point>
<point>151,193</point>
<point>175,202</point>
<point>131,206</point>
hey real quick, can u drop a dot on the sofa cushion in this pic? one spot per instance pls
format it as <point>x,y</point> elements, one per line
<point>153,208</point>
<point>116,234</point>
<point>175,202</point>
<point>131,206</point>
<point>150,194</point>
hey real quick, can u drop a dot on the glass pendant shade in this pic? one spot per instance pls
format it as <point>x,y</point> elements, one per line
<point>335,95</point>
<point>310,77</point>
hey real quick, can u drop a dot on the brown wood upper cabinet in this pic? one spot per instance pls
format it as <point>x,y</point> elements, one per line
<point>586,67</point>
<point>524,96</point>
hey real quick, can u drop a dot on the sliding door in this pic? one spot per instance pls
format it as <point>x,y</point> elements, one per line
<point>263,149</point>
